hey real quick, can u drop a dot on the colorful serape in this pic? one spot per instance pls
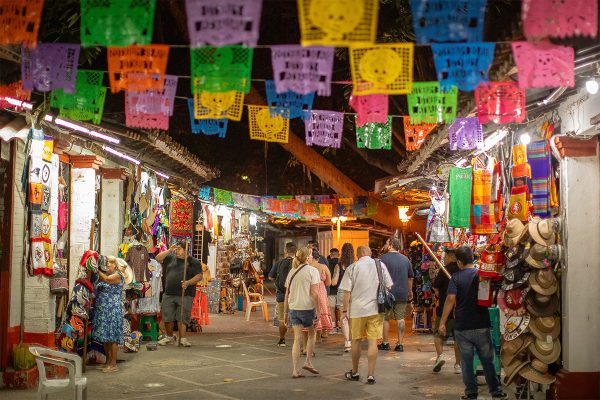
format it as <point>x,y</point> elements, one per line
<point>538,155</point>
<point>182,218</point>
<point>482,212</point>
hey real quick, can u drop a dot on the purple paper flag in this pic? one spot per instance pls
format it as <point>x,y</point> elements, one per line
<point>324,128</point>
<point>465,134</point>
<point>302,69</point>
<point>50,66</point>
<point>154,101</point>
<point>223,22</point>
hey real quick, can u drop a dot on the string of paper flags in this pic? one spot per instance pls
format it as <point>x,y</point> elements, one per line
<point>224,34</point>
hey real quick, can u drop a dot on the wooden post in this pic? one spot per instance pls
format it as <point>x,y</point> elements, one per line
<point>183,290</point>
<point>87,322</point>
<point>432,254</point>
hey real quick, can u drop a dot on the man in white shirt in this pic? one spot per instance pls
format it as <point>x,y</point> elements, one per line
<point>360,285</point>
<point>302,302</point>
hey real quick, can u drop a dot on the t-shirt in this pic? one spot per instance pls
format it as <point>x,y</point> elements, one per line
<point>400,269</point>
<point>332,263</point>
<point>362,281</point>
<point>279,273</point>
<point>441,283</point>
<point>468,314</point>
<point>174,275</point>
<point>460,186</point>
<point>299,293</point>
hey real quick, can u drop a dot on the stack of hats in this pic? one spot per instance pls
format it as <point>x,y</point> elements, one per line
<point>529,298</point>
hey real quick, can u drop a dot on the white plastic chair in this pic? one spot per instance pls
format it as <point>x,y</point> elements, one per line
<point>255,300</point>
<point>76,383</point>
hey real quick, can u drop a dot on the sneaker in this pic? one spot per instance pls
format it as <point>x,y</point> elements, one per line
<point>457,369</point>
<point>384,346</point>
<point>468,397</point>
<point>166,341</point>
<point>399,348</point>
<point>439,363</point>
<point>185,342</point>
<point>499,395</point>
<point>347,346</point>
<point>281,343</point>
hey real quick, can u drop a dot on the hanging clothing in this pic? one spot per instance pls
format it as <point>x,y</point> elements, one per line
<point>539,158</point>
<point>460,188</point>
<point>138,258</point>
<point>483,212</point>
<point>437,227</point>
<point>149,305</point>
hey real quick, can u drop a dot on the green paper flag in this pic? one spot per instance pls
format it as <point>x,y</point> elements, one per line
<point>223,196</point>
<point>221,69</point>
<point>87,103</point>
<point>117,22</point>
<point>460,186</point>
<point>427,103</point>
<point>374,135</point>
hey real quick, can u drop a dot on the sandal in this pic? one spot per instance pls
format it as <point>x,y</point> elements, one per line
<point>297,376</point>
<point>311,369</point>
<point>371,379</point>
<point>110,369</point>
<point>352,376</point>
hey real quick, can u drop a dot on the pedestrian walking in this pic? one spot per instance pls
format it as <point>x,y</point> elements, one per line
<point>471,326</point>
<point>302,307</point>
<point>345,261</point>
<point>333,259</point>
<point>279,274</point>
<point>360,285</point>
<point>400,269</point>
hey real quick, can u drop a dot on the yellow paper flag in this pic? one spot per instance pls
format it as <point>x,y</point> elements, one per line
<point>219,105</point>
<point>385,68</point>
<point>264,126</point>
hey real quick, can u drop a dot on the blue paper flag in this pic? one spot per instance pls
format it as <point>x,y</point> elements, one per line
<point>448,20</point>
<point>462,65</point>
<point>299,105</point>
<point>207,126</point>
<point>205,193</point>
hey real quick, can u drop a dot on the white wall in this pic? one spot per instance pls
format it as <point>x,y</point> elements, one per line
<point>580,196</point>
<point>113,211</point>
<point>17,266</point>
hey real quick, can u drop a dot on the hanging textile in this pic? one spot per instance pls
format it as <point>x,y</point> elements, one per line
<point>460,185</point>
<point>382,68</point>
<point>221,196</point>
<point>539,158</point>
<point>462,65</point>
<point>182,218</point>
<point>544,65</point>
<point>437,227</point>
<point>483,213</point>
<point>302,69</point>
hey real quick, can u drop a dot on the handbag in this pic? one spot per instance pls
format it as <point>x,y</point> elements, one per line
<point>385,298</point>
<point>59,284</point>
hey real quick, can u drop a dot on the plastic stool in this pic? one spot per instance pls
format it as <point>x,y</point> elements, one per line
<point>149,327</point>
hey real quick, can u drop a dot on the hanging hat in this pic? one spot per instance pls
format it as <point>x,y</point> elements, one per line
<point>542,327</point>
<point>511,371</point>
<point>544,281</point>
<point>515,326</point>
<point>537,255</point>
<point>513,233</point>
<point>515,278</point>
<point>512,348</point>
<point>542,230</point>
<point>541,305</point>
<point>545,351</point>
<point>537,372</point>
<point>512,302</point>
<point>102,263</point>
<point>89,260</point>
<point>125,269</point>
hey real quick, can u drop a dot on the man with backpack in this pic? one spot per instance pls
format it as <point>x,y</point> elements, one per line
<point>279,274</point>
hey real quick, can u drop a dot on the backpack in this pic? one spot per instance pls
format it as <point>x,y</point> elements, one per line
<point>283,269</point>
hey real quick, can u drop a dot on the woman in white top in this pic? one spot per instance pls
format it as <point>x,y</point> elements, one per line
<point>302,307</point>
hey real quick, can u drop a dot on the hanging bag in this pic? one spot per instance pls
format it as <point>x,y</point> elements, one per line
<point>59,284</point>
<point>385,299</point>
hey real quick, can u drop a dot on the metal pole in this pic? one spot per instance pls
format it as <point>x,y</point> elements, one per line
<point>183,291</point>
<point>432,254</point>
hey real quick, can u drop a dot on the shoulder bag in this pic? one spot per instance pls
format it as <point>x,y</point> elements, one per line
<point>385,299</point>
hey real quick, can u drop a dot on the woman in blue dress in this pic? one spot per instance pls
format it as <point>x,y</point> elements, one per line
<point>108,315</point>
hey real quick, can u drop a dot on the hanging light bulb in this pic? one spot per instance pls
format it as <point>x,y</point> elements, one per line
<point>525,138</point>
<point>591,85</point>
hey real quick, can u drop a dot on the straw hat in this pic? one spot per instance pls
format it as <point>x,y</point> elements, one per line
<point>126,270</point>
<point>545,351</point>
<point>542,327</point>
<point>513,233</point>
<point>512,348</point>
<point>540,255</point>
<point>537,372</point>
<point>544,281</point>
<point>540,305</point>
<point>515,326</point>
<point>511,371</point>
<point>542,230</point>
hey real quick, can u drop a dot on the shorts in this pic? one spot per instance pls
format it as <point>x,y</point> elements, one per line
<point>281,311</point>
<point>398,312</point>
<point>371,326</point>
<point>449,327</point>
<point>305,318</point>
<point>170,308</point>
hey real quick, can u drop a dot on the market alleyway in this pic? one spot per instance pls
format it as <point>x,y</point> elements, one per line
<point>245,363</point>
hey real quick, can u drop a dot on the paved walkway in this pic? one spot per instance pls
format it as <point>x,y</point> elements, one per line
<point>235,359</point>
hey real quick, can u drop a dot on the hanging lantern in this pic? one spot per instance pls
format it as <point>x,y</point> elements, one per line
<point>403,214</point>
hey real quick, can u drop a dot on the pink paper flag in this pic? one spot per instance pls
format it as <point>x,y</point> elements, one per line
<point>543,64</point>
<point>370,108</point>
<point>500,102</point>
<point>543,18</point>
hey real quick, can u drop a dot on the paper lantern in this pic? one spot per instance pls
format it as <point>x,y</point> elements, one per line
<point>50,66</point>
<point>427,103</point>
<point>302,69</point>
<point>500,102</point>
<point>265,127</point>
<point>448,20</point>
<point>374,136</point>
<point>324,128</point>
<point>221,69</point>
<point>219,105</point>
<point>292,103</point>
<point>370,108</point>
<point>415,135</point>
<point>465,134</point>
<point>551,18</point>
<point>544,65</point>
<point>117,22</point>
<point>338,22</point>
<point>385,68</point>
<point>207,126</point>
<point>462,65</point>
<point>135,68</point>
<point>222,23</point>
<point>20,21</point>
<point>87,103</point>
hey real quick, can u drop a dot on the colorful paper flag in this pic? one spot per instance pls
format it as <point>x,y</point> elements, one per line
<point>324,128</point>
<point>297,105</point>
<point>462,65</point>
<point>415,135</point>
<point>427,103</point>
<point>87,103</point>
<point>370,108</point>
<point>221,69</point>
<point>50,66</point>
<point>500,102</point>
<point>551,18</point>
<point>374,136</point>
<point>137,68</point>
<point>465,134</point>
<point>265,127</point>
<point>543,64</point>
<point>219,105</point>
<point>20,21</point>
<point>382,68</point>
<point>302,69</point>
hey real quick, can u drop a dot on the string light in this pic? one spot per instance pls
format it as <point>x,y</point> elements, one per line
<point>591,86</point>
<point>525,138</point>
<point>18,103</point>
<point>122,155</point>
